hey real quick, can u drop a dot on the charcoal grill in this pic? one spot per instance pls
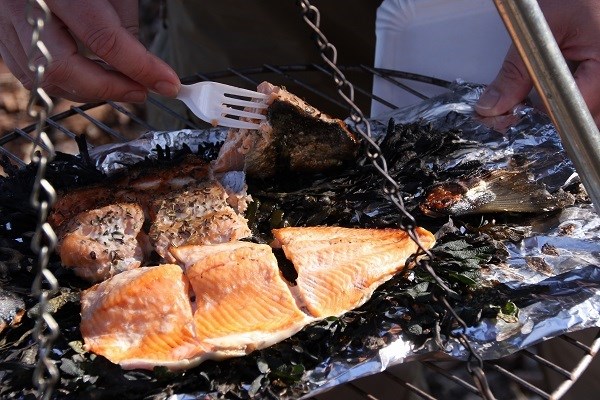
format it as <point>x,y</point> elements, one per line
<point>514,370</point>
<point>525,369</point>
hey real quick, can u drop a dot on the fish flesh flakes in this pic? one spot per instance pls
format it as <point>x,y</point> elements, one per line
<point>242,302</point>
<point>197,215</point>
<point>142,318</point>
<point>340,268</point>
<point>100,243</point>
<point>295,137</point>
<point>108,229</point>
<point>229,299</point>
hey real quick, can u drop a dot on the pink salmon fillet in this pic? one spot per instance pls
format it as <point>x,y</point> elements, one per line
<point>229,299</point>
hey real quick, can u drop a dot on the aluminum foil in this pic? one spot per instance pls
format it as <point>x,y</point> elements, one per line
<point>558,262</point>
<point>110,158</point>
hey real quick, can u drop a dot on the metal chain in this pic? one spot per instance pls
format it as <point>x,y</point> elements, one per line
<point>43,196</point>
<point>391,188</point>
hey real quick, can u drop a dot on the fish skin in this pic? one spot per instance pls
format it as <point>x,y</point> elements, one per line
<point>339,268</point>
<point>496,191</point>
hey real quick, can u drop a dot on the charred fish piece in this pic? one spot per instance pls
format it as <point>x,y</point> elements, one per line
<point>495,191</point>
<point>295,137</point>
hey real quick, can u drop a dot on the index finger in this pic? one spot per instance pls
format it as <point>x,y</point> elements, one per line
<point>98,26</point>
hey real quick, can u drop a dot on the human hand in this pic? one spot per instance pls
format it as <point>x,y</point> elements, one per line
<point>107,28</point>
<point>576,26</point>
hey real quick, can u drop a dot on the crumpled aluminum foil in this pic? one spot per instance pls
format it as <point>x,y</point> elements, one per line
<point>110,158</point>
<point>559,260</point>
<point>566,277</point>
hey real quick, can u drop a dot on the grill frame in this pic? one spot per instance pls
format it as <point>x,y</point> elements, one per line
<point>295,76</point>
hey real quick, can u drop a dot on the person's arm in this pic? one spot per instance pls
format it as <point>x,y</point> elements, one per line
<point>108,29</point>
<point>576,27</point>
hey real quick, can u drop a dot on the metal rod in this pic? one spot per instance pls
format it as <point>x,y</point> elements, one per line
<point>556,368</point>
<point>100,124</point>
<point>318,92</point>
<point>450,376</point>
<point>520,381</point>
<point>552,78</point>
<point>409,386</point>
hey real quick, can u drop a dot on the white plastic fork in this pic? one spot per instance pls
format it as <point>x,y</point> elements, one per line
<point>216,104</point>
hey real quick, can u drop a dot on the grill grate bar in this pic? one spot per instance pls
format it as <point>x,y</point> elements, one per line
<point>578,344</point>
<point>546,363</point>
<point>399,84</point>
<point>361,392</point>
<point>131,115</point>
<point>581,366</point>
<point>31,139</point>
<point>13,157</point>
<point>409,76</point>
<point>244,77</point>
<point>307,87</point>
<point>188,123</point>
<point>451,377</point>
<point>520,381</point>
<point>61,128</point>
<point>100,124</point>
<point>361,90</point>
<point>416,390</point>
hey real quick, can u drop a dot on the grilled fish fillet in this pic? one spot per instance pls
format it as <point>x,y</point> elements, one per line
<point>196,215</point>
<point>295,137</point>
<point>140,184</point>
<point>339,268</point>
<point>182,204</point>
<point>142,318</point>
<point>103,242</point>
<point>242,301</point>
<point>238,300</point>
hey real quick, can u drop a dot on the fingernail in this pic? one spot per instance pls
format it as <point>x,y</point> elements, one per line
<point>138,96</point>
<point>488,99</point>
<point>165,88</point>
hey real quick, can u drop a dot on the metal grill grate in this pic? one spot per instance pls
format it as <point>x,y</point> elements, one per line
<point>522,373</point>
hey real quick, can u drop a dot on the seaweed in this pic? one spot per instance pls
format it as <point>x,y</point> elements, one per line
<point>406,306</point>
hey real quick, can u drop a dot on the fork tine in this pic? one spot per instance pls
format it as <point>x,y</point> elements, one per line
<point>244,103</point>
<point>242,113</point>
<point>236,123</point>
<point>236,91</point>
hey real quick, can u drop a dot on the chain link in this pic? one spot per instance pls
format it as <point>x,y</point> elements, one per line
<point>391,188</point>
<point>43,243</point>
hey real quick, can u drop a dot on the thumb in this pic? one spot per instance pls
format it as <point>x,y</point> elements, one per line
<point>511,86</point>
